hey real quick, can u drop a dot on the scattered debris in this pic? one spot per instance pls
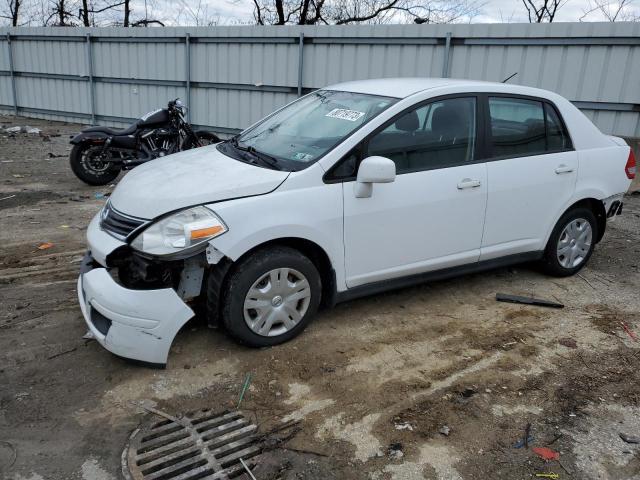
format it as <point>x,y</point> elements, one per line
<point>59,354</point>
<point>629,438</point>
<point>546,453</point>
<point>7,198</point>
<point>586,281</point>
<point>504,297</point>
<point>629,332</point>
<point>468,392</point>
<point>17,175</point>
<point>247,380</point>
<point>247,469</point>
<point>527,434</point>
<point>55,155</point>
<point>31,130</point>
<point>404,426</point>
<point>548,475</point>
<point>100,195</point>
<point>521,443</point>
<point>45,246</point>
<point>445,430</point>
<point>13,129</point>
<point>395,451</point>
<point>568,342</point>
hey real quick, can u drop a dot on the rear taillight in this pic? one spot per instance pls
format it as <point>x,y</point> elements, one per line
<point>630,167</point>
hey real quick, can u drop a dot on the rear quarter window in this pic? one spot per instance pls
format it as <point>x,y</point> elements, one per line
<point>524,127</point>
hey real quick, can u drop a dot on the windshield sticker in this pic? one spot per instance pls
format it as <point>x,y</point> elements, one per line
<point>344,114</point>
<point>303,157</point>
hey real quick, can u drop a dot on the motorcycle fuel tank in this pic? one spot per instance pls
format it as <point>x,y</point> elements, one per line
<point>157,117</point>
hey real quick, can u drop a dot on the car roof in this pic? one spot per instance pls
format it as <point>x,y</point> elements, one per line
<point>404,87</point>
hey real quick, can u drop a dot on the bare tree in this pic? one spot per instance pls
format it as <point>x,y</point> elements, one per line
<point>341,12</point>
<point>90,13</point>
<point>198,14</point>
<point>541,11</point>
<point>12,11</point>
<point>612,11</point>
<point>61,13</point>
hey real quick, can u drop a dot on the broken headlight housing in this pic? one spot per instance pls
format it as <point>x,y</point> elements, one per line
<point>180,232</point>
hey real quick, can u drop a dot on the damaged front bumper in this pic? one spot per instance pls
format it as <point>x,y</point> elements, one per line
<point>134,324</point>
<point>134,318</point>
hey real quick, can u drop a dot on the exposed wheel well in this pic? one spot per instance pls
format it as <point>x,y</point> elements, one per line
<point>597,207</point>
<point>219,273</point>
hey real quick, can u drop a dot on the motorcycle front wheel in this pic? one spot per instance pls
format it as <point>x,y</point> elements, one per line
<point>205,138</point>
<point>90,166</point>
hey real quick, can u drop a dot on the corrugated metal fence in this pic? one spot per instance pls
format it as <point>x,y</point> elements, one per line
<point>232,76</point>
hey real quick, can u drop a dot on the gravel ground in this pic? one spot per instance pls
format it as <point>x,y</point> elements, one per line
<point>372,384</point>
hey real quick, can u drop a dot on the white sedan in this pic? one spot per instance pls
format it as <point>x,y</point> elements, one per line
<point>352,189</point>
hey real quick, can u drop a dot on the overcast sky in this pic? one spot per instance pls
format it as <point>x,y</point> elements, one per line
<point>232,11</point>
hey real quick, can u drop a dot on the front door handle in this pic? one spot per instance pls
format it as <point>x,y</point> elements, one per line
<point>468,183</point>
<point>564,169</point>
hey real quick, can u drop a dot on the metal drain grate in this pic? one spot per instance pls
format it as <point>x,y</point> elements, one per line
<point>201,445</point>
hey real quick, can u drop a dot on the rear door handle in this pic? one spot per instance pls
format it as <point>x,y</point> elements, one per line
<point>468,183</point>
<point>563,169</point>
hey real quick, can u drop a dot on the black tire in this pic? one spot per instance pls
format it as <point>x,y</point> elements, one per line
<point>207,138</point>
<point>248,271</point>
<point>82,169</point>
<point>551,263</point>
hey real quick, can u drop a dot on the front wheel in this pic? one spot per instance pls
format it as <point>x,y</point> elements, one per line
<point>91,165</point>
<point>571,243</point>
<point>204,139</point>
<point>270,297</point>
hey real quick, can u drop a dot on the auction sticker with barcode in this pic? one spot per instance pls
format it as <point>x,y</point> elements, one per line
<point>344,114</point>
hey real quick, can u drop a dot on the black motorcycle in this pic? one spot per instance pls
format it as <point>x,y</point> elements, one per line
<point>99,153</point>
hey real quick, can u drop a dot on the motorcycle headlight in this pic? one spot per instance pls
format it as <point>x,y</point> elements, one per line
<point>184,230</point>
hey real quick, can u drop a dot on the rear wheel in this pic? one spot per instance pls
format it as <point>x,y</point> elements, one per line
<point>270,297</point>
<point>571,243</point>
<point>91,165</point>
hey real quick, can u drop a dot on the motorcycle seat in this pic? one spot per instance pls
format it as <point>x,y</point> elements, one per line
<point>113,132</point>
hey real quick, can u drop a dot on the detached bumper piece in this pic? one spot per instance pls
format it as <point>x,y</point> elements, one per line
<point>134,324</point>
<point>615,208</point>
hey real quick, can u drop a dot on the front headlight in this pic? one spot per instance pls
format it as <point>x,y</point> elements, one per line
<point>184,230</point>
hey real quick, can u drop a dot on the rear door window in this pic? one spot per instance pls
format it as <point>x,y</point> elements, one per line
<point>557,138</point>
<point>522,127</point>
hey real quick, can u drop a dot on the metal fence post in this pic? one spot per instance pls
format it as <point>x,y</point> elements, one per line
<point>447,55</point>
<point>13,77</point>
<point>187,46</point>
<point>92,93</point>
<point>300,61</point>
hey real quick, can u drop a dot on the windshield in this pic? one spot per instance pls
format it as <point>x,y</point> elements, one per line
<point>304,131</point>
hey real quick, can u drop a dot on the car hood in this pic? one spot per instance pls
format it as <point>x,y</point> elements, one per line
<point>193,177</point>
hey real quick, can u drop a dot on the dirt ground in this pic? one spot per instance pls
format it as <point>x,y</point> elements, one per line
<point>373,383</point>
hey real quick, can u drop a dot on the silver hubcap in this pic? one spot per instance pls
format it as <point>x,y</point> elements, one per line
<point>574,243</point>
<point>276,302</point>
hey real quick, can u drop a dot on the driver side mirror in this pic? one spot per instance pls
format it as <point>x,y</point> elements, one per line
<point>373,170</point>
